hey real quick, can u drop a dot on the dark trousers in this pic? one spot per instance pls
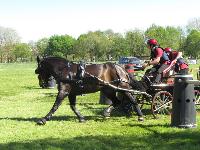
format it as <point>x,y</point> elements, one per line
<point>158,69</point>
<point>184,71</point>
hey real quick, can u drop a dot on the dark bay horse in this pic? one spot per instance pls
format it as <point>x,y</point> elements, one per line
<point>95,79</point>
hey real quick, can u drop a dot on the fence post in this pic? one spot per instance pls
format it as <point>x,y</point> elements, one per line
<point>183,105</point>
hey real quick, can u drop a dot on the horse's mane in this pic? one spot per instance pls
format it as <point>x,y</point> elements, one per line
<point>57,59</point>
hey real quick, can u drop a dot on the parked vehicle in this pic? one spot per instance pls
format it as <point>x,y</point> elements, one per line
<point>131,64</point>
<point>192,61</point>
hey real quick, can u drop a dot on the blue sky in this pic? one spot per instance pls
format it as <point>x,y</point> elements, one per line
<point>35,19</point>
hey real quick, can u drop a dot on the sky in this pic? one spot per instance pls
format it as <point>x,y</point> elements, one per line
<point>36,19</point>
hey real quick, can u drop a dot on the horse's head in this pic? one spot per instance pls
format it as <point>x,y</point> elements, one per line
<point>43,74</point>
<point>60,68</point>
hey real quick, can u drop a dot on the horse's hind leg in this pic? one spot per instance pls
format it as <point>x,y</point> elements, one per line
<point>107,111</point>
<point>72,100</point>
<point>135,106</point>
<point>115,102</point>
<point>61,95</point>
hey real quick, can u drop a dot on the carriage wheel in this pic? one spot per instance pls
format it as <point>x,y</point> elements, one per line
<point>197,97</point>
<point>161,104</point>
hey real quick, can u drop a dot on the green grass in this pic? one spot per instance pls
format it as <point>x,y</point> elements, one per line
<point>22,103</point>
<point>193,70</point>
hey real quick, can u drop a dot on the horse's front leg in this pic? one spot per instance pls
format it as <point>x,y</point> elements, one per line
<point>135,106</point>
<point>72,100</point>
<point>61,95</point>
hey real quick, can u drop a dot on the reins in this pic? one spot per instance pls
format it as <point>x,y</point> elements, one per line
<point>134,92</point>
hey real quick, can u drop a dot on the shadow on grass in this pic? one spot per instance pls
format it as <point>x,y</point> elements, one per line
<point>32,87</point>
<point>97,117</point>
<point>87,106</point>
<point>183,140</point>
<point>56,118</point>
<point>51,95</point>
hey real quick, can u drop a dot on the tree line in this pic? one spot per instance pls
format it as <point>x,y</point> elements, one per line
<point>101,45</point>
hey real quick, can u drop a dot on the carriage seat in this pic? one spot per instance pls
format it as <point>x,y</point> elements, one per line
<point>167,73</point>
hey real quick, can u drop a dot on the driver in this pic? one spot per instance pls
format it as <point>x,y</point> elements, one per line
<point>159,59</point>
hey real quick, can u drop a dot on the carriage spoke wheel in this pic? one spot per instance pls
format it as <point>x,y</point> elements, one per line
<point>161,104</point>
<point>197,97</point>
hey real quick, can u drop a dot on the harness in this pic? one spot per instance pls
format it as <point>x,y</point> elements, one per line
<point>80,74</point>
<point>80,70</point>
<point>134,92</point>
<point>119,80</point>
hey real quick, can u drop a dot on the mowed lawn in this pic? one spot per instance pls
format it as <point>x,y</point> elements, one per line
<point>23,102</point>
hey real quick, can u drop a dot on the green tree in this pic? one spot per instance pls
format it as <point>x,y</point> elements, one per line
<point>8,39</point>
<point>22,51</point>
<point>34,53</point>
<point>81,47</point>
<point>167,37</point>
<point>41,46</point>
<point>173,37</point>
<point>156,32</point>
<point>60,45</point>
<point>102,45</point>
<point>135,42</point>
<point>93,45</point>
<point>116,45</point>
<point>192,46</point>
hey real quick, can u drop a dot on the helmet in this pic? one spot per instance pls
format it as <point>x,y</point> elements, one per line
<point>152,42</point>
<point>167,49</point>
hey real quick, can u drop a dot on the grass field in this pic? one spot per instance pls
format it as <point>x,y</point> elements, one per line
<point>22,103</point>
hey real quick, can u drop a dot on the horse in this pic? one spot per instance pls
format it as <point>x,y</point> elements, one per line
<point>73,79</point>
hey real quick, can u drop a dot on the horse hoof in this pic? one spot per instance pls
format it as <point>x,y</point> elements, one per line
<point>106,114</point>
<point>108,117</point>
<point>41,122</point>
<point>140,118</point>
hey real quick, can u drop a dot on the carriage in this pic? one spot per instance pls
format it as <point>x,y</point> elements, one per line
<point>161,101</point>
<point>111,79</point>
<point>162,94</point>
